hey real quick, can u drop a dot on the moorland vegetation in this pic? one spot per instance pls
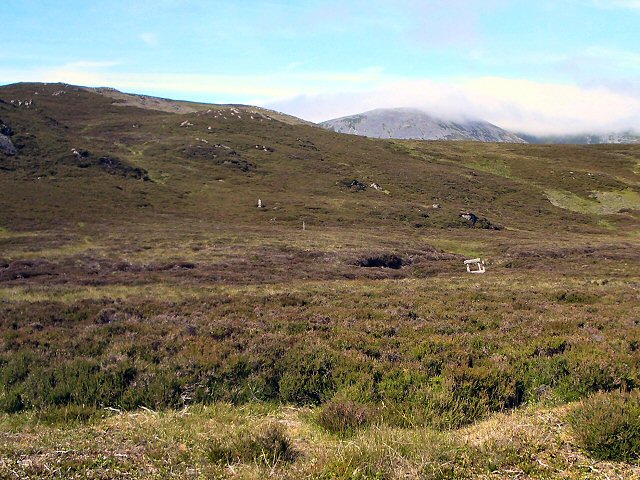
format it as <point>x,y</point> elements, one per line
<point>155,323</point>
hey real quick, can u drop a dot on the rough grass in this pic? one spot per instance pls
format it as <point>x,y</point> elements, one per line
<point>602,203</point>
<point>493,166</point>
<point>527,443</point>
<point>267,444</point>
<point>573,202</point>
<point>617,201</point>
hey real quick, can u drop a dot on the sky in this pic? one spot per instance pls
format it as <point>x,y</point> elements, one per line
<point>542,67</point>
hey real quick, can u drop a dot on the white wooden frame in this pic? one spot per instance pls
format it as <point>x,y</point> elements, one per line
<point>477,263</point>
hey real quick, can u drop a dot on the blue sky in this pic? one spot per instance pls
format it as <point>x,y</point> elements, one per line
<point>564,65</point>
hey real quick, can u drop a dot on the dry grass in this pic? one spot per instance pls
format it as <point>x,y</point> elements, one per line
<point>533,442</point>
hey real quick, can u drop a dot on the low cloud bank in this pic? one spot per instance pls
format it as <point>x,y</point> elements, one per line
<point>514,104</point>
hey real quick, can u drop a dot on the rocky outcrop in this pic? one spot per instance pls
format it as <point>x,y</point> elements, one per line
<point>474,221</point>
<point>6,145</point>
<point>112,165</point>
<point>115,166</point>
<point>220,154</point>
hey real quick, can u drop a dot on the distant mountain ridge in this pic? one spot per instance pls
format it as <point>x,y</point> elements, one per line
<point>625,137</point>
<point>410,123</point>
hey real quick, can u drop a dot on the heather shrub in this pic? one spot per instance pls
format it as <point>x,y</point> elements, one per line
<point>592,370</point>
<point>607,425</point>
<point>307,376</point>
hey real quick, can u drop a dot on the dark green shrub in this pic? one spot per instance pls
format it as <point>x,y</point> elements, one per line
<point>307,376</point>
<point>268,445</point>
<point>478,391</point>
<point>343,416</point>
<point>237,380</point>
<point>591,370</point>
<point>12,403</point>
<point>541,374</point>
<point>575,297</point>
<point>550,347</point>
<point>68,415</point>
<point>607,425</point>
<point>78,382</point>
<point>155,389</point>
<point>400,384</point>
<point>17,367</point>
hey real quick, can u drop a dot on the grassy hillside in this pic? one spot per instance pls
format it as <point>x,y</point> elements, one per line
<point>300,171</point>
<point>332,333</point>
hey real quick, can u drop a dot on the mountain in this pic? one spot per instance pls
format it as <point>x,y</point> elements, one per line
<point>625,137</point>
<point>409,123</point>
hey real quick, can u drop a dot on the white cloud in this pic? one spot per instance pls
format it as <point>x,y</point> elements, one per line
<point>228,87</point>
<point>87,65</point>
<point>627,3</point>
<point>514,104</point>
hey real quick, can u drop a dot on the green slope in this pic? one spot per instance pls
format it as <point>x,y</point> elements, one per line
<point>215,168</point>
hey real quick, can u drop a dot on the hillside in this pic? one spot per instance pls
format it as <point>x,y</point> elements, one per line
<point>155,323</point>
<point>83,157</point>
<point>181,106</point>
<point>408,123</point>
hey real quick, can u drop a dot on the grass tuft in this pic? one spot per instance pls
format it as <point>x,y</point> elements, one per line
<point>343,417</point>
<point>267,444</point>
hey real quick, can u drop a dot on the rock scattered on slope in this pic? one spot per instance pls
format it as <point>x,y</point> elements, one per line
<point>6,145</point>
<point>264,148</point>
<point>5,129</point>
<point>112,165</point>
